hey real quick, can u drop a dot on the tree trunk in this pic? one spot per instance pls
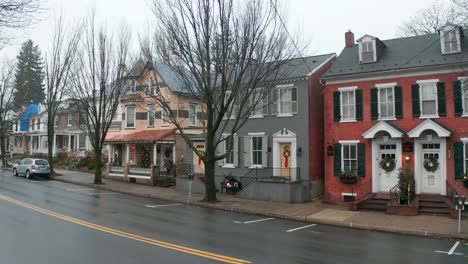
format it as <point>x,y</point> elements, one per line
<point>50,146</point>
<point>210,162</point>
<point>2,146</point>
<point>97,167</point>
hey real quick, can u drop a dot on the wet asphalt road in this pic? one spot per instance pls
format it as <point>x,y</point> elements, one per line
<point>38,234</point>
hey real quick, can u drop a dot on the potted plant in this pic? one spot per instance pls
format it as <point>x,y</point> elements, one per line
<point>405,181</point>
<point>168,165</point>
<point>348,177</point>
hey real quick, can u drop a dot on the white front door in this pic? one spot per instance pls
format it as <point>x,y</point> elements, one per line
<point>387,180</point>
<point>431,178</point>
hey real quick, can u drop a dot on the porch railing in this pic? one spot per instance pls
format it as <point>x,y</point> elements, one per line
<point>450,191</point>
<point>395,194</point>
<point>360,189</point>
<point>402,193</point>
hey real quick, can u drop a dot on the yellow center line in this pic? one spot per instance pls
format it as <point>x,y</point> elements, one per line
<point>116,232</point>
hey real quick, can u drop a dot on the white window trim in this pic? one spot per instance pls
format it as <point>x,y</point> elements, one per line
<point>134,117</point>
<point>228,165</point>
<point>465,111</point>
<point>196,119</point>
<point>164,113</point>
<point>262,103</point>
<point>342,152</point>
<point>349,141</point>
<point>434,82</point>
<point>278,103</point>
<point>69,120</point>
<point>374,46</point>
<point>251,135</point>
<point>347,89</point>
<point>232,108</point>
<point>386,86</point>
<point>457,37</point>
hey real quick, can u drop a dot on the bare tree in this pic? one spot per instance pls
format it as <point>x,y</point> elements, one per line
<point>98,84</point>
<point>7,115</point>
<point>223,51</point>
<point>16,14</point>
<point>429,20</point>
<point>58,73</point>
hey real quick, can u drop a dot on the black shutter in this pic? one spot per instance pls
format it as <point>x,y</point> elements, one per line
<point>358,95</point>
<point>442,108</point>
<point>415,95</point>
<point>157,115</point>
<point>398,102</point>
<point>337,159</point>
<point>458,157</point>
<point>457,98</point>
<point>374,103</point>
<point>337,106</point>
<point>361,170</point>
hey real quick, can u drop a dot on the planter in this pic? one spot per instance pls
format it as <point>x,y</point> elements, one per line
<point>348,180</point>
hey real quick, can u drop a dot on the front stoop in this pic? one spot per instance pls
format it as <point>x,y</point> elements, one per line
<point>378,202</point>
<point>433,205</point>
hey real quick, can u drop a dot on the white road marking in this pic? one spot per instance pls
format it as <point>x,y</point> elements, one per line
<point>161,205</point>
<point>80,189</point>
<point>453,248</point>
<point>445,252</point>
<point>100,193</point>
<point>302,227</point>
<point>253,221</point>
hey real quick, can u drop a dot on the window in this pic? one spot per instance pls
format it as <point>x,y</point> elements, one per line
<point>131,116</point>
<point>153,87</point>
<point>367,52</point>
<point>257,151</point>
<point>193,115</point>
<point>229,160</point>
<point>386,103</point>
<point>261,99</point>
<point>82,141</point>
<point>428,93</point>
<point>32,124</point>
<point>164,118</point>
<point>233,108</point>
<point>349,160</point>
<point>450,41</point>
<point>57,121</point>
<point>464,85</point>
<point>69,120</point>
<point>131,154</point>
<point>133,86</point>
<point>348,105</point>
<point>38,124</point>
<point>285,101</point>
<point>151,112</point>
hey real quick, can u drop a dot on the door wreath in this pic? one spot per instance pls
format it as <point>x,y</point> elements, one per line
<point>431,164</point>
<point>286,155</point>
<point>387,164</point>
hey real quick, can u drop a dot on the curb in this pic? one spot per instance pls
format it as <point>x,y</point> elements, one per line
<point>371,228</point>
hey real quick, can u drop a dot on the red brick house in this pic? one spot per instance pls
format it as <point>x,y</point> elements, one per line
<point>400,103</point>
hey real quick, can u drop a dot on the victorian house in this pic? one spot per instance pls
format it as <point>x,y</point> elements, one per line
<point>398,103</point>
<point>141,133</point>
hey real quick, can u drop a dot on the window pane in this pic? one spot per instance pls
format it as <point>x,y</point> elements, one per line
<point>346,151</point>
<point>130,117</point>
<point>429,107</point>
<point>353,151</point>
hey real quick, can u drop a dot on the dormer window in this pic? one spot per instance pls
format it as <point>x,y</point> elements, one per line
<point>133,86</point>
<point>450,36</point>
<point>367,52</point>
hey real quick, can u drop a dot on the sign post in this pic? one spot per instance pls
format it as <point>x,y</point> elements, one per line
<point>459,206</point>
<point>190,181</point>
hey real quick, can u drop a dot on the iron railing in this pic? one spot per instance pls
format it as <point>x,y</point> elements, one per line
<point>360,189</point>
<point>402,193</point>
<point>450,191</point>
<point>395,194</point>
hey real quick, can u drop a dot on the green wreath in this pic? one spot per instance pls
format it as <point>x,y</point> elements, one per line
<point>286,152</point>
<point>387,164</point>
<point>431,164</point>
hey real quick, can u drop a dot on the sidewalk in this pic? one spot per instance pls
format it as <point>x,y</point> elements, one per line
<point>315,212</point>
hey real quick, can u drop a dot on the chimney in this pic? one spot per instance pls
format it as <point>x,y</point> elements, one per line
<point>349,38</point>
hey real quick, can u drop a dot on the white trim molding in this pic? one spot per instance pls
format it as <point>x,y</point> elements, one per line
<point>349,141</point>
<point>429,124</point>
<point>427,81</point>
<point>349,88</point>
<point>385,85</point>
<point>382,126</point>
<point>256,134</point>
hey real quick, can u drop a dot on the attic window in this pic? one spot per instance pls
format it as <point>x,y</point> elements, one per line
<point>367,52</point>
<point>450,41</point>
<point>133,86</point>
<point>450,36</point>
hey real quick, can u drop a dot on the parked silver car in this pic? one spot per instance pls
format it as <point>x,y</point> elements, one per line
<point>30,167</point>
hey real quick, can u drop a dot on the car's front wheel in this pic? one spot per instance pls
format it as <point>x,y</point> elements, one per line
<point>15,173</point>
<point>28,174</point>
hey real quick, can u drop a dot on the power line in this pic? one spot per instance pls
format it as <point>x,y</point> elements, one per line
<point>289,35</point>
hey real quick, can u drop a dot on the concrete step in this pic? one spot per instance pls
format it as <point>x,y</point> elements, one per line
<point>424,198</point>
<point>372,207</point>
<point>427,210</point>
<point>376,201</point>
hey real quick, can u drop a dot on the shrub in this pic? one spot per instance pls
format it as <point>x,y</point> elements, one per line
<point>62,156</point>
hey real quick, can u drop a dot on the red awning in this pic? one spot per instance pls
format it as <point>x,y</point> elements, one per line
<point>146,136</point>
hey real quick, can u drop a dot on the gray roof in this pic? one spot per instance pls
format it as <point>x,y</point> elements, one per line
<point>137,69</point>
<point>171,77</point>
<point>400,53</point>
<point>303,66</point>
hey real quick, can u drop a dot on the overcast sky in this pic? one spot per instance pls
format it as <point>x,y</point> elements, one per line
<point>322,23</point>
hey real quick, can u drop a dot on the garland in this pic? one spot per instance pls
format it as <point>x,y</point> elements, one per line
<point>387,164</point>
<point>431,164</point>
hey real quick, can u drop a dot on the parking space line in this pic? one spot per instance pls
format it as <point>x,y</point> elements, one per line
<point>99,193</point>
<point>161,205</point>
<point>453,248</point>
<point>445,252</point>
<point>299,228</point>
<point>253,221</point>
<point>80,189</point>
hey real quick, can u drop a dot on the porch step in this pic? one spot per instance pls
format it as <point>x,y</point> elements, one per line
<point>433,204</point>
<point>372,207</point>
<point>429,210</point>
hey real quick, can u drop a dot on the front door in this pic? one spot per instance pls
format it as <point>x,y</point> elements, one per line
<point>285,159</point>
<point>387,179</point>
<point>199,166</point>
<point>430,168</point>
